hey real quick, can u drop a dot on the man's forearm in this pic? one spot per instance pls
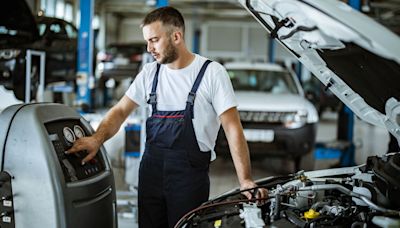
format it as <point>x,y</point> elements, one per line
<point>240,156</point>
<point>113,120</point>
<point>237,144</point>
<point>108,127</point>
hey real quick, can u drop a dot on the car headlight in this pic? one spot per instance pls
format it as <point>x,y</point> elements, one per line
<point>9,53</point>
<point>296,120</point>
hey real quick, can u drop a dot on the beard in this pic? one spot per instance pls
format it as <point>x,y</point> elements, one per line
<point>171,54</point>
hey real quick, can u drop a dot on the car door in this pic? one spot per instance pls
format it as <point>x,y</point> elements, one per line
<point>70,46</point>
<point>60,52</point>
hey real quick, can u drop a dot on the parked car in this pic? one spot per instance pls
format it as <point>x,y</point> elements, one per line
<point>360,59</point>
<point>21,31</point>
<point>59,39</point>
<point>119,61</point>
<point>276,118</point>
<point>116,63</point>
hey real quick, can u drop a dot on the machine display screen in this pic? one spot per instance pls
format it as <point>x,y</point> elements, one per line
<point>63,134</point>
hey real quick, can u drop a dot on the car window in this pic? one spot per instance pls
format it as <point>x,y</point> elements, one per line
<point>276,82</point>
<point>56,28</point>
<point>42,29</point>
<point>72,34</point>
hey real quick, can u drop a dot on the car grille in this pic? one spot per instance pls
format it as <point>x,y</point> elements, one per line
<point>269,117</point>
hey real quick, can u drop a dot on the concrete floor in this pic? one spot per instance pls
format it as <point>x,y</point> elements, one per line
<point>368,139</point>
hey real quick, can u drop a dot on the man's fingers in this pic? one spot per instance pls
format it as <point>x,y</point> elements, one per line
<point>262,193</point>
<point>75,148</point>
<point>88,158</point>
<point>79,145</point>
<point>247,194</point>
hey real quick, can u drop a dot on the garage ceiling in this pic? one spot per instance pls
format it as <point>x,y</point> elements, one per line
<point>387,12</point>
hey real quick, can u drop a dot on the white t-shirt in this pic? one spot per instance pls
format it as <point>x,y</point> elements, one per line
<point>214,96</point>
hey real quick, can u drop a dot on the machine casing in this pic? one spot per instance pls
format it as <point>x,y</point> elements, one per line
<point>51,189</point>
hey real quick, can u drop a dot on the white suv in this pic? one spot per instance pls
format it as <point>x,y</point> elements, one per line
<point>276,118</point>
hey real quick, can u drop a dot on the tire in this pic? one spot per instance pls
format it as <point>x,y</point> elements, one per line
<point>19,85</point>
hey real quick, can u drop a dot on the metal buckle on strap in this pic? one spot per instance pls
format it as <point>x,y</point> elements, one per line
<point>191,98</point>
<point>153,98</point>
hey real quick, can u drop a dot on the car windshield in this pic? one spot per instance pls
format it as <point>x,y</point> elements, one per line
<point>275,82</point>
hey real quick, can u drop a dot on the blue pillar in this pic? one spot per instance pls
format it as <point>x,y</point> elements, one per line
<point>196,41</point>
<point>162,3</point>
<point>356,4</point>
<point>271,50</point>
<point>85,79</point>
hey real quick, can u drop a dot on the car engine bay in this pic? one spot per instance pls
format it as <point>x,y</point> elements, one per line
<point>362,196</point>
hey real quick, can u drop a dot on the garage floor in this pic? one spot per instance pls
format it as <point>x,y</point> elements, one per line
<point>223,176</point>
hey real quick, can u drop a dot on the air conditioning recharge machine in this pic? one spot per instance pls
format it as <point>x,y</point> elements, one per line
<point>40,186</point>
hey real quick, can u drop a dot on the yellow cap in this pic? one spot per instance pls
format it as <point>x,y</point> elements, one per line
<point>311,214</point>
<point>217,223</point>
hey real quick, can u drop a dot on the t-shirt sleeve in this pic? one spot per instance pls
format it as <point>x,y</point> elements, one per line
<point>136,91</point>
<point>223,96</point>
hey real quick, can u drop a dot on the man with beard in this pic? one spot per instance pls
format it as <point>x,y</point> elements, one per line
<point>190,97</point>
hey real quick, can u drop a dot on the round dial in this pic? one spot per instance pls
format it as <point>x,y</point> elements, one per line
<point>69,134</point>
<point>79,131</point>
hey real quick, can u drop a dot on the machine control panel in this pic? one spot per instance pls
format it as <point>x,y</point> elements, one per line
<point>63,134</point>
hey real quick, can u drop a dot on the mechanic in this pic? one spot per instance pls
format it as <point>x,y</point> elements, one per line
<point>190,97</point>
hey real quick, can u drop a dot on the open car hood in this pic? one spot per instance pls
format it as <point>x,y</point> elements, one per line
<point>17,24</point>
<point>354,56</point>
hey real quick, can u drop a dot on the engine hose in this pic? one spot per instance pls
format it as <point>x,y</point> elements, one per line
<point>350,193</point>
<point>379,208</point>
<point>318,204</point>
<point>293,218</point>
<point>329,187</point>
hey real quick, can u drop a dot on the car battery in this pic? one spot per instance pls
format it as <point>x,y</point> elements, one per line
<point>44,187</point>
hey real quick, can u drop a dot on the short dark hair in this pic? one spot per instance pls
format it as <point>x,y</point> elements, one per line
<point>167,15</point>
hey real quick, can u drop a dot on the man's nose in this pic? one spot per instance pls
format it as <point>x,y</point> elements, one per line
<point>149,48</point>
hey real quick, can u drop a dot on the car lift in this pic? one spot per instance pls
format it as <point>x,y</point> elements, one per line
<point>85,77</point>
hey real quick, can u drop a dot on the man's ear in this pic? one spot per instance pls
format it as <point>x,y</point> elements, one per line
<point>177,36</point>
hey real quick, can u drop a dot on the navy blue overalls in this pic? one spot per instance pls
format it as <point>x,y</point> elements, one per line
<point>173,173</point>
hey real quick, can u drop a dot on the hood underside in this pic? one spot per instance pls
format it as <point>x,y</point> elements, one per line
<point>355,57</point>
<point>17,24</point>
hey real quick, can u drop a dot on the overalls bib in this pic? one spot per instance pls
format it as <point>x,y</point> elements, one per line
<point>173,173</point>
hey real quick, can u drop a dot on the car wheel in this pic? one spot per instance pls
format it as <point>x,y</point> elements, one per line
<point>19,86</point>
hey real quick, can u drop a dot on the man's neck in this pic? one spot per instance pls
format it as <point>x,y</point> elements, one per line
<point>185,59</point>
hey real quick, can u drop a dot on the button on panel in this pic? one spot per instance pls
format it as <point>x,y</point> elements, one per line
<point>63,134</point>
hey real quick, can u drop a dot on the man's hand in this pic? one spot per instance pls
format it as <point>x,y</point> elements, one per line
<point>90,144</point>
<point>261,193</point>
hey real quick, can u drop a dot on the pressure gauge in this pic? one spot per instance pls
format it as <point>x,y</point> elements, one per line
<point>79,131</point>
<point>69,134</point>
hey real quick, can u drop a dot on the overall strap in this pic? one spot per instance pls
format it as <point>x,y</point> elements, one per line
<point>153,96</point>
<point>192,93</point>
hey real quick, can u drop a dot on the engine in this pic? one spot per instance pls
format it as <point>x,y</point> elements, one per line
<point>361,196</point>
